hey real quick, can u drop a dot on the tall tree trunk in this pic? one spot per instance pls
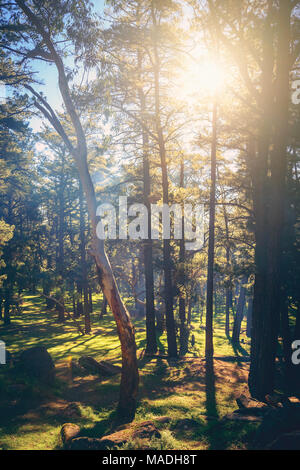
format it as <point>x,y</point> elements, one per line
<point>268,289</point>
<point>79,308</point>
<point>8,285</point>
<point>261,375</point>
<point>227,312</point>
<point>7,304</point>
<point>239,313</point>
<point>90,300</point>
<point>249,317</point>
<point>190,306</point>
<point>61,232</point>
<point>103,308</point>
<point>84,283</point>
<point>1,304</point>
<point>209,347</point>
<point>168,290</point>
<point>287,343</point>
<point>151,344</point>
<point>228,291</point>
<point>182,303</point>
<point>74,305</point>
<point>297,325</point>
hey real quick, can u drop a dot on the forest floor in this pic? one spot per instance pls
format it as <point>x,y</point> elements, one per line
<point>31,415</point>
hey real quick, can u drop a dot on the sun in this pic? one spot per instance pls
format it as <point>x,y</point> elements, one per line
<point>207,77</point>
<point>200,78</point>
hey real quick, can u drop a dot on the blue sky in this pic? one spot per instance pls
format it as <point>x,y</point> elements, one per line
<point>47,75</point>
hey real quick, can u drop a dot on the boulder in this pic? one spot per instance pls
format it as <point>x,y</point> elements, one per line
<point>276,400</point>
<point>115,439</point>
<point>111,441</point>
<point>250,410</point>
<point>85,443</point>
<point>146,430</point>
<point>77,369</point>
<point>68,432</point>
<point>163,420</point>
<point>109,368</point>
<point>38,363</point>
<point>247,402</point>
<point>102,368</point>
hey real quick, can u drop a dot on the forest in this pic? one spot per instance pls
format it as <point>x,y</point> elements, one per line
<point>149,225</point>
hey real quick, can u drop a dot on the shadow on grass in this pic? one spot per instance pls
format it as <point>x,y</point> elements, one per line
<point>239,351</point>
<point>172,389</point>
<point>210,401</point>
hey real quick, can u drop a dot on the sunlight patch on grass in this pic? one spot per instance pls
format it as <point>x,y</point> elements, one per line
<point>166,389</point>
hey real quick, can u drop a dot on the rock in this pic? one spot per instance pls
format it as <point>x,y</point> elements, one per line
<point>110,441</point>
<point>89,364</point>
<point>274,400</point>
<point>103,368</point>
<point>248,402</point>
<point>146,430</point>
<point>68,432</point>
<point>163,420</point>
<point>77,369</point>
<point>249,410</point>
<point>186,424</point>
<point>116,439</point>
<point>38,363</point>
<point>109,368</point>
<point>288,441</point>
<point>85,443</point>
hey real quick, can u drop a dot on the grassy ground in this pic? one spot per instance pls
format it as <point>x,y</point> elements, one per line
<point>31,416</point>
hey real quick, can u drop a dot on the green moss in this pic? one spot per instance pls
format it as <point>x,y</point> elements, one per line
<point>173,390</point>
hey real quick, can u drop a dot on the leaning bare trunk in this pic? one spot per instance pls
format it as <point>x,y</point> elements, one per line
<point>130,376</point>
